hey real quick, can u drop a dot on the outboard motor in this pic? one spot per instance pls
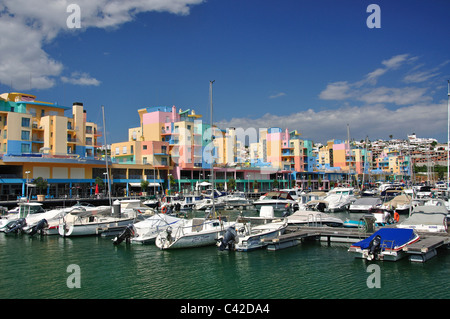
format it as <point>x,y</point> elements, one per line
<point>16,226</point>
<point>374,247</point>
<point>126,234</point>
<point>228,239</point>
<point>38,227</point>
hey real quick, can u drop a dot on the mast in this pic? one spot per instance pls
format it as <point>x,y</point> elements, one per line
<point>106,157</point>
<point>448,137</point>
<point>213,211</point>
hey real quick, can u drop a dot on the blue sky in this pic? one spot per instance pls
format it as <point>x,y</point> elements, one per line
<point>308,65</point>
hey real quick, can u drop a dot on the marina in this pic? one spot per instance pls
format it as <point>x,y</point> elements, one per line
<point>314,256</point>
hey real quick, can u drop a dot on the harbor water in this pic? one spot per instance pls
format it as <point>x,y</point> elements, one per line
<point>43,267</point>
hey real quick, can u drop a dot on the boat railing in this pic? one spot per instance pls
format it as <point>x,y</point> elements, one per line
<point>315,220</point>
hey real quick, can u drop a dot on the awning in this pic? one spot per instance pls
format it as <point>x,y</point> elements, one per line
<point>139,184</point>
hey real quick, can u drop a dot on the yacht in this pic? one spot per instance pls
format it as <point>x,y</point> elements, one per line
<point>340,198</point>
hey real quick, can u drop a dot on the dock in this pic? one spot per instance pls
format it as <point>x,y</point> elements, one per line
<point>420,251</point>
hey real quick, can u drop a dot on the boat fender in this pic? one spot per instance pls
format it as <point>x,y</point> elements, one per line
<point>396,216</point>
<point>39,227</point>
<point>228,239</point>
<point>126,234</point>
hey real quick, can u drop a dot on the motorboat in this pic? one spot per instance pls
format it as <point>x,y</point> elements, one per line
<point>251,233</point>
<point>427,218</point>
<point>385,244</point>
<point>313,218</point>
<point>306,198</point>
<point>277,199</point>
<point>236,199</point>
<point>145,231</point>
<point>24,210</point>
<point>402,204</point>
<point>207,204</point>
<point>196,232</point>
<point>380,217</point>
<point>340,199</point>
<point>294,192</point>
<point>89,222</point>
<point>364,204</point>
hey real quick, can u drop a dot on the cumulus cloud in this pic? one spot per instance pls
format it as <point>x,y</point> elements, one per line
<point>370,110</point>
<point>28,25</point>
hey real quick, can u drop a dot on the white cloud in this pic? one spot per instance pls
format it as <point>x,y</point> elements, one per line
<point>277,95</point>
<point>78,78</point>
<point>374,121</point>
<point>336,91</point>
<point>370,110</point>
<point>28,25</point>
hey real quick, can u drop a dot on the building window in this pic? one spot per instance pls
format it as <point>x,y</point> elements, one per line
<point>117,151</point>
<point>25,135</point>
<point>25,122</point>
<point>144,160</point>
<point>144,147</point>
<point>124,150</point>
<point>25,148</point>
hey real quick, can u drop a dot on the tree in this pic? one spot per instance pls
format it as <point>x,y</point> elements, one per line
<point>231,184</point>
<point>144,185</point>
<point>41,185</point>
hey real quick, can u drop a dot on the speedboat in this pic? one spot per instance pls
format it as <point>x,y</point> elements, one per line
<point>427,218</point>
<point>145,231</point>
<point>364,204</point>
<point>385,244</point>
<point>196,232</point>
<point>313,218</point>
<point>277,199</point>
<point>83,222</point>
<point>251,233</point>
<point>401,203</point>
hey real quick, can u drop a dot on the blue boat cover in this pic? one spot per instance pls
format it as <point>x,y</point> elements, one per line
<point>400,236</point>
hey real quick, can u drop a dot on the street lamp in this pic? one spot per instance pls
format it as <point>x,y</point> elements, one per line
<point>27,172</point>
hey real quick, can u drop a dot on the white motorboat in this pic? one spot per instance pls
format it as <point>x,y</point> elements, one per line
<point>364,204</point>
<point>313,218</point>
<point>207,203</point>
<point>427,218</point>
<point>195,232</point>
<point>277,199</point>
<point>294,192</point>
<point>340,198</point>
<point>145,231</point>
<point>306,198</point>
<point>236,199</point>
<point>82,222</point>
<point>23,210</point>
<point>251,233</point>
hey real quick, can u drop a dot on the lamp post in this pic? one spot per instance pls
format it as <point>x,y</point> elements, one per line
<point>27,172</point>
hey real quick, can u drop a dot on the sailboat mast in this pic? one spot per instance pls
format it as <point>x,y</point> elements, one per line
<point>212,157</point>
<point>106,157</point>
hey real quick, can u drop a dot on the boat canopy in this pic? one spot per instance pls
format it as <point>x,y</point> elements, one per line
<point>427,215</point>
<point>400,237</point>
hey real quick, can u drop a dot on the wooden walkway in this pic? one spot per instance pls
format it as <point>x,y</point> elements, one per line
<point>421,251</point>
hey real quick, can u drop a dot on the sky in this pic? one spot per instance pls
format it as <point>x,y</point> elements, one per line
<point>314,66</point>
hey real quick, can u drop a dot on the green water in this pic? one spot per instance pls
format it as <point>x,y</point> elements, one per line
<point>35,268</point>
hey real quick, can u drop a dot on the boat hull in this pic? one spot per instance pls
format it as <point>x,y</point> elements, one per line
<point>69,230</point>
<point>259,241</point>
